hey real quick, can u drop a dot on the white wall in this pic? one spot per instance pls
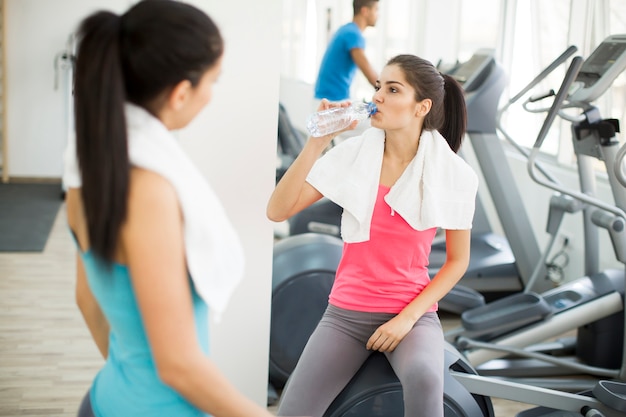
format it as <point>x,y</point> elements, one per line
<point>233,141</point>
<point>36,30</point>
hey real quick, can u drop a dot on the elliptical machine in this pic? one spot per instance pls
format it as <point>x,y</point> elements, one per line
<point>594,138</point>
<point>593,304</point>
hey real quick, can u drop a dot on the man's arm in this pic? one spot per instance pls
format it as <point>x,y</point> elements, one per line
<point>359,58</point>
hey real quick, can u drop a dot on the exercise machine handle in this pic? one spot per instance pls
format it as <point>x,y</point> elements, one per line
<point>561,95</point>
<point>570,76</point>
<point>543,74</point>
<point>541,96</point>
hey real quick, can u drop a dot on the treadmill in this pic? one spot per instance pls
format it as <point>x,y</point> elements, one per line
<point>499,265</point>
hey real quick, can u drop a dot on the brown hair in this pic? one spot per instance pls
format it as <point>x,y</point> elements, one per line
<point>448,114</point>
<point>358,4</point>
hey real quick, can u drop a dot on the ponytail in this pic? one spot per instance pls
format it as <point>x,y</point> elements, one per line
<point>455,113</point>
<point>136,58</point>
<point>101,142</point>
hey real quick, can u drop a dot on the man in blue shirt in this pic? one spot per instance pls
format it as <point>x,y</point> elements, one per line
<point>345,53</point>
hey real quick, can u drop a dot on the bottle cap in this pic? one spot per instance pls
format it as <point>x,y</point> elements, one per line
<point>372,109</point>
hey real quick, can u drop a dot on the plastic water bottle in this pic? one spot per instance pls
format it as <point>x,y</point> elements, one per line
<point>327,121</point>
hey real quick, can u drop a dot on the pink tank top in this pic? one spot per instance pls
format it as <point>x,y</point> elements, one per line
<point>387,272</point>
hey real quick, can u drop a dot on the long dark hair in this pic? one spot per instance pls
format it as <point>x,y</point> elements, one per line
<point>448,114</point>
<point>136,57</point>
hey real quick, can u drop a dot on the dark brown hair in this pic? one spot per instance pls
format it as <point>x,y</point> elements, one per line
<point>136,57</point>
<point>448,114</point>
<point>358,4</point>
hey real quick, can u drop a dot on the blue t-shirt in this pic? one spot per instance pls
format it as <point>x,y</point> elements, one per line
<point>337,68</point>
<point>128,384</point>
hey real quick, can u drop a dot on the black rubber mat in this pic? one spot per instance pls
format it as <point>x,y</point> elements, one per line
<point>27,212</point>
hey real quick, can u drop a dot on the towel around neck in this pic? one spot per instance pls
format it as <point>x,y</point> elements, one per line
<point>437,189</point>
<point>213,252</point>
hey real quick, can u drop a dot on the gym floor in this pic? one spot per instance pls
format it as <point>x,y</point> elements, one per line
<point>47,358</point>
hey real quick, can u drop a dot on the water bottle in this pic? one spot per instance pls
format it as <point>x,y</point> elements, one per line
<point>332,120</point>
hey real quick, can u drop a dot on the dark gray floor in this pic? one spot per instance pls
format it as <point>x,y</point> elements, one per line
<point>27,212</point>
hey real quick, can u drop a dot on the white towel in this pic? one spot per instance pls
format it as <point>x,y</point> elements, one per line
<point>212,248</point>
<point>437,189</point>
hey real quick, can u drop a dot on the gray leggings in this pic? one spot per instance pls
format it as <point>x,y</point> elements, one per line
<point>85,409</point>
<point>336,350</point>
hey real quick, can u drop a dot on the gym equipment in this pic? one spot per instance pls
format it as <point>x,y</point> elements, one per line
<point>492,267</point>
<point>290,142</point>
<point>498,264</point>
<point>303,272</point>
<point>323,216</point>
<point>592,304</point>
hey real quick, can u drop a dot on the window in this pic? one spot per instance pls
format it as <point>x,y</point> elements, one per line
<point>538,33</point>
<point>392,35</point>
<point>534,36</point>
<point>617,95</point>
<point>294,29</point>
<point>479,27</point>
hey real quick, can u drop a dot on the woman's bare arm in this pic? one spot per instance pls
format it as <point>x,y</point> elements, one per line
<point>292,193</point>
<point>154,248</point>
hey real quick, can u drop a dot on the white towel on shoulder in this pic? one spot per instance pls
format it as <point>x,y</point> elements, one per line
<point>437,189</point>
<point>213,251</point>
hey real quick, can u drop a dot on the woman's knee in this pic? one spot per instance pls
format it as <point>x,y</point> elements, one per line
<point>420,375</point>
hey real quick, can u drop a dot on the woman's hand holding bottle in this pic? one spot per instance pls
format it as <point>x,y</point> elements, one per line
<point>332,119</point>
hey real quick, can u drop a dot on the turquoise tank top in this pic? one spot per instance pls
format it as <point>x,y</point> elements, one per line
<point>128,384</point>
